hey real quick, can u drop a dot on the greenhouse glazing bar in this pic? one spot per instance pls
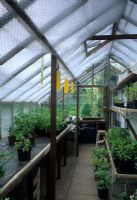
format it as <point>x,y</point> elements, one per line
<point>22,68</point>
<point>97,48</point>
<point>45,28</point>
<point>34,30</point>
<point>9,16</point>
<point>24,82</point>
<point>113,37</point>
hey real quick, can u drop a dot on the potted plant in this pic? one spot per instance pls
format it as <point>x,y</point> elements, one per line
<point>123,196</point>
<point>130,96</point>
<point>134,195</point>
<point>23,146</point>
<point>42,125</point>
<point>135,95</point>
<point>24,125</point>
<point>11,137</point>
<point>103,183</point>
<point>4,156</point>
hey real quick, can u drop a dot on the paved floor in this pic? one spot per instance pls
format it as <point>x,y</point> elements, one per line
<point>77,179</point>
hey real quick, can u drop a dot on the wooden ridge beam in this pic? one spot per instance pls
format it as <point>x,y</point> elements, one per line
<point>113,37</point>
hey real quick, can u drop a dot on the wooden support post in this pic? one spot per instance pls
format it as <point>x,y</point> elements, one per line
<point>30,187</point>
<point>58,161</point>
<point>107,106</point>
<point>77,140</point>
<point>63,101</point>
<point>65,150</point>
<point>52,187</point>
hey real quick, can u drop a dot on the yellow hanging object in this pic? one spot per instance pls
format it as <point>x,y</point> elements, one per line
<point>72,87</point>
<point>42,70</point>
<point>66,86</point>
<point>58,85</point>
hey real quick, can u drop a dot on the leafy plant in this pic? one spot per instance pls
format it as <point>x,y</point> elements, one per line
<point>41,121</point>
<point>134,195</point>
<point>117,99</point>
<point>6,198</point>
<point>23,124</point>
<point>103,179</point>
<point>123,196</point>
<point>99,159</point>
<point>22,143</point>
<point>99,152</point>
<point>122,146</point>
<point>11,131</point>
<point>86,110</point>
<point>4,156</point>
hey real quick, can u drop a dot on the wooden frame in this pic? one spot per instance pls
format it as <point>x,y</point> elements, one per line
<point>116,175</point>
<point>106,110</point>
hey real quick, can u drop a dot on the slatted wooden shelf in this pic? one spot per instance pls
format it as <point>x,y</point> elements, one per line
<point>124,111</point>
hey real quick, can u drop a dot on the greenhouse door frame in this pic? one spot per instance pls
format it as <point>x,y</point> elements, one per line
<point>105,108</point>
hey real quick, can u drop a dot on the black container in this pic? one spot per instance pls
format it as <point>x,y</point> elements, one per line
<point>24,155</point>
<point>103,193</point>
<point>126,166</point>
<point>87,135</point>
<point>129,105</point>
<point>121,105</point>
<point>11,140</point>
<point>134,104</point>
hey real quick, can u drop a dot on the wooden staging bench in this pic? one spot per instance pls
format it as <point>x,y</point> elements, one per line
<point>116,175</point>
<point>17,171</point>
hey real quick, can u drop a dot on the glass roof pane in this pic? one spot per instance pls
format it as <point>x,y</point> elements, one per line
<point>23,57</point>
<point>47,11</point>
<point>3,10</point>
<point>11,35</point>
<point>117,65</point>
<point>126,27</point>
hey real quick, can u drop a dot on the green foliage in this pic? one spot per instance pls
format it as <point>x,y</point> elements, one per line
<point>103,179</point>
<point>117,99</point>
<point>11,131</point>
<point>23,124</point>
<point>102,172</point>
<point>123,196</point>
<point>99,159</point>
<point>134,195</point>
<point>22,143</point>
<point>122,146</point>
<point>4,156</point>
<point>41,120</point>
<point>86,110</point>
<point>131,92</point>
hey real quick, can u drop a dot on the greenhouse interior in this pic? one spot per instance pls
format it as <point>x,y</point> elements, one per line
<point>68,100</point>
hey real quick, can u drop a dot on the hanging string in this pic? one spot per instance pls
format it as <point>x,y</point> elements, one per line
<point>72,87</point>
<point>42,67</point>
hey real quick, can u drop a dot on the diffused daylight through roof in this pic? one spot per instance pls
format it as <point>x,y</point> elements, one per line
<point>31,30</point>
